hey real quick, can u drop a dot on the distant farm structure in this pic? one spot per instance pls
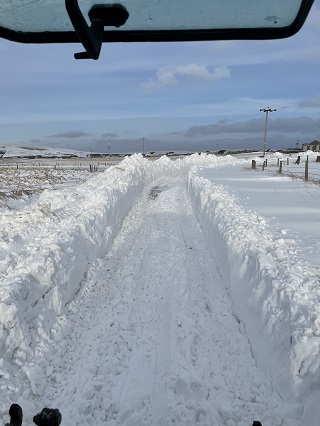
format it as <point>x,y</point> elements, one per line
<point>311,146</point>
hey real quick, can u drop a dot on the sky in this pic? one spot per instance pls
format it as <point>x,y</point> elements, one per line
<point>190,96</point>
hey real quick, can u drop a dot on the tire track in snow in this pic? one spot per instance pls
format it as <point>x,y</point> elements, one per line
<point>153,338</point>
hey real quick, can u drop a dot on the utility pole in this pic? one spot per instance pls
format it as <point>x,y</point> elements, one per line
<point>109,146</point>
<point>266,110</point>
<point>143,139</point>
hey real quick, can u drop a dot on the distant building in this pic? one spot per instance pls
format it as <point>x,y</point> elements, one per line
<point>311,146</point>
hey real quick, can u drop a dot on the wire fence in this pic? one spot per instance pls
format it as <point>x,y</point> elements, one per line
<point>296,168</point>
<point>90,165</point>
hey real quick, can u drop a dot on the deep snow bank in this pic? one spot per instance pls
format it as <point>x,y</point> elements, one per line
<point>277,297</point>
<point>46,248</point>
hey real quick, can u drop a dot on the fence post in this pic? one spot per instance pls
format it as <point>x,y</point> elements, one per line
<point>287,161</point>
<point>280,167</point>
<point>253,166</point>
<point>278,161</point>
<point>263,165</point>
<point>306,170</point>
<point>266,161</point>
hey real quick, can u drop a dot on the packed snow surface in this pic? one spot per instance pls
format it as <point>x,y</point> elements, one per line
<point>163,292</point>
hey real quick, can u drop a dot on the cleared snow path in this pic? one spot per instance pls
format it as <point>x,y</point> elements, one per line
<point>152,338</point>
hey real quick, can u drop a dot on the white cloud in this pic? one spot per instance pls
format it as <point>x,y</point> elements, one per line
<point>170,74</point>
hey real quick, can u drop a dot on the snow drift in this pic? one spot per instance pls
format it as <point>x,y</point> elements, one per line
<point>276,296</point>
<point>47,249</point>
<point>55,241</point>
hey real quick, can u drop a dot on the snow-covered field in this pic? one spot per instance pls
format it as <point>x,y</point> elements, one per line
<point>161,292</point>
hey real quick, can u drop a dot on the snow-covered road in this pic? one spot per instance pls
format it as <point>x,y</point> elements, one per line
<point>153,339</point>
<point>148,295</point>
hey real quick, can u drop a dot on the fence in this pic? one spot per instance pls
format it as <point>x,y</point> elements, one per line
<point>57,165</point>
<point>305,169</point>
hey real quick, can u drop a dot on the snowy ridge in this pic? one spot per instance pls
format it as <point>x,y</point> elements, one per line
<point>276,294</point>
<point>56,240</point>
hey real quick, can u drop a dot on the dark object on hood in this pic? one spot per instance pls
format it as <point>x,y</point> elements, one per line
<point>16,416</point>
<point>48,417</point>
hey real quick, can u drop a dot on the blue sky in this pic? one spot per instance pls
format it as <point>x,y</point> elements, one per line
<point>189,96</point>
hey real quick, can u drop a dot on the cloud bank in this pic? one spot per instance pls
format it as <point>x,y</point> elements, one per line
<point>256,125</point>
<point>169,75</point>
<point>72,134</point>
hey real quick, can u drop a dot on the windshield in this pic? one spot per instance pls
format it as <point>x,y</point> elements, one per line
<point>148,15</point>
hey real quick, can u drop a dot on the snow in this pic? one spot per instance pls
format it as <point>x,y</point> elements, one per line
<point>13,151</point>
<point>162,292</point>
<point>273,283</point>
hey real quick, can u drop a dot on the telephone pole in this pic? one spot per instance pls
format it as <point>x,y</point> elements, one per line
<point>266,110</point>
<point>143,139</point>
<point>109,146</point>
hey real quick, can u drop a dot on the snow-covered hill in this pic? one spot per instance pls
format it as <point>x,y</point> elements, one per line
<point>31,151</point>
